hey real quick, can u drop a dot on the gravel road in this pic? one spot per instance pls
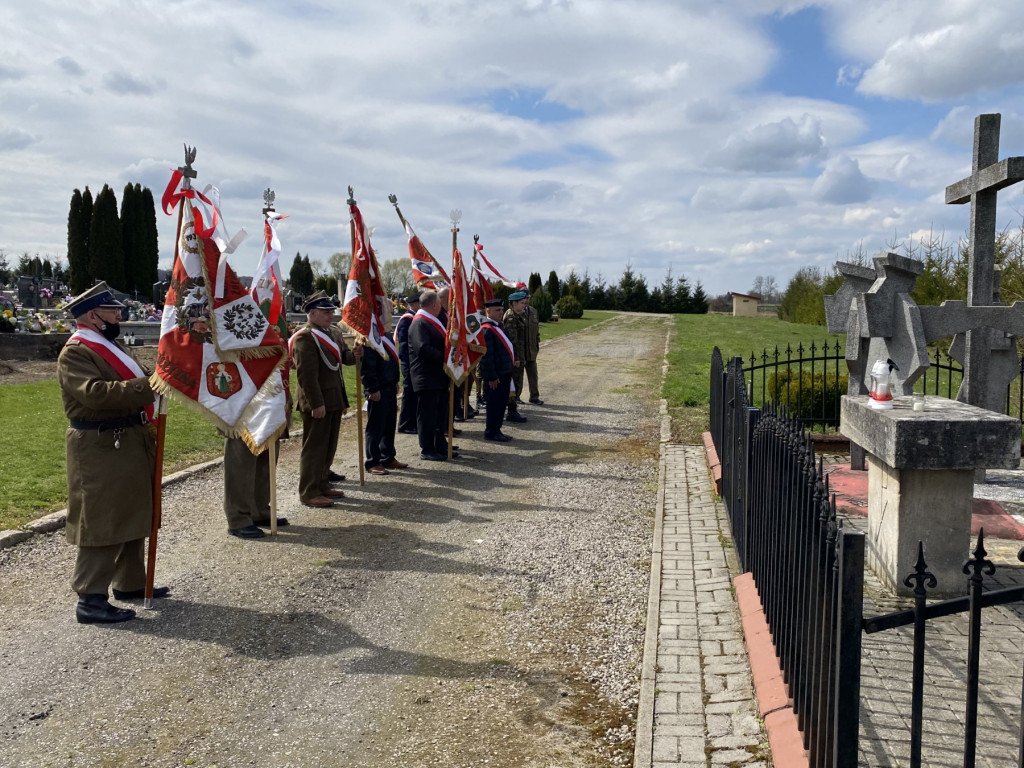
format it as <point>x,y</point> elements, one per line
<point>489,611</point>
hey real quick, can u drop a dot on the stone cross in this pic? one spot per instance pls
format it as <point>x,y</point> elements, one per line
<point>988,176</point>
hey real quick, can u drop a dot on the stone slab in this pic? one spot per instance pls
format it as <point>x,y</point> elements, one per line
<point>946,435</point>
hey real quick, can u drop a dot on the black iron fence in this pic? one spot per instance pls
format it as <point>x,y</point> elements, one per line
<point>808,382</point>
<point>809,574</point>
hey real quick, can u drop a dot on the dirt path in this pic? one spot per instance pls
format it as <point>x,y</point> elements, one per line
<point>485,612</point>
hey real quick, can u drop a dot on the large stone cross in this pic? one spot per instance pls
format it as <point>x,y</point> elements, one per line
<point>988,176</point>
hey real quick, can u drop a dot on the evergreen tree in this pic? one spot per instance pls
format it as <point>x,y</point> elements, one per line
<point>131,237</point>
<point>699,301</point>
<point>106,251</point>
<point>554,287</point>
<point>666,295</point>
<point>47,268</point>
<point>308,275</point>
<point>5,269</point>
<point>681,296</point>
<point>149,257</point>
<point>541,301</point>
<point>803,301</point>
<point>598,294</point>
<point>296,274</point>
<point>79,276</point>
<point>534,283</point>
<point>633,294</point>
<point>24,265</point>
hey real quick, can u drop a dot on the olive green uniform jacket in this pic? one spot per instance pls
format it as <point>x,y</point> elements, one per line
<point>318,384</point>
<point>110,490</point>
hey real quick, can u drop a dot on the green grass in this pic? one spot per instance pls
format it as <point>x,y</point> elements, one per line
<point>32,463</point>
<point>687,384</point>
<point>563,327</point>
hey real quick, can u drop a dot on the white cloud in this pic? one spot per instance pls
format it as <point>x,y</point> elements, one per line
<point>841,182</point>
<point>786,145</point>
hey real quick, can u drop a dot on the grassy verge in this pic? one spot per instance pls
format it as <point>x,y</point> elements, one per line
<point>695,336</point>
<point>32,463</point>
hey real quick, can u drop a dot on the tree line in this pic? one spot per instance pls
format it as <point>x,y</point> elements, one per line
<point>120,248</point>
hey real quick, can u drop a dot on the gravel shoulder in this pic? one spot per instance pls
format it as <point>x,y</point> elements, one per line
<point>489,611</point>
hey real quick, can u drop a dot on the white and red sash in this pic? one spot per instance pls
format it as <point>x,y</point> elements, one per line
<point>500,333</point>
<point>117,358</point>
<point>408,315</point>
<point>437,324</point>
<point>321,339</point>
<point>390,346</point>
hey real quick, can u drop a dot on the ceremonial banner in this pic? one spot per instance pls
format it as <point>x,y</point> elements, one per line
<point>426,271</point>
<point>464,344</point>
<point>492,273</point>
<point>266,283</point>
<point>480,286</point>
<point>364,297</point>
<point>214,354</point>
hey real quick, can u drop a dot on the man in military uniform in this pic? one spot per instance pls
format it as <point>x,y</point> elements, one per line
<point>496,370</point>
<point>407,416</point>
<point>516,329</point>
<point>318,356</point>
<point>111,459</point>
<point>532,349</point>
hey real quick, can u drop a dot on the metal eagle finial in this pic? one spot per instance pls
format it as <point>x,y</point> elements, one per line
<point>351,197</point>
<point>456,218</point>
<point>187,171</point>
<point>393,199</point>
<point>268,199</point>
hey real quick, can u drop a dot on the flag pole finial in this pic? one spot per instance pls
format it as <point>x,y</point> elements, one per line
<point>393,199</point>
<point>268,200</point>
<point>476,239</point>
<point>456,218</point>
<point>351,196</point>
<point>187,171</point>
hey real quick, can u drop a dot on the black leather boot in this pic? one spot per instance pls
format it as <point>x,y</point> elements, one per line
<point>513,413</point>
<point>94,609</point>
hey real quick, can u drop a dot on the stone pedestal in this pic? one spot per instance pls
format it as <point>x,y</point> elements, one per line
<point>921,467</point>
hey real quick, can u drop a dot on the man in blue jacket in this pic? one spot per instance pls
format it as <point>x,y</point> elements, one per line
<point>496,370</point>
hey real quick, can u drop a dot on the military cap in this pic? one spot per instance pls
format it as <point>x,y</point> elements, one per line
<point>318,300</point>
<point>517,296</point>
<point>97,296</point>
<point>494,303</point>
<point>414,299</point>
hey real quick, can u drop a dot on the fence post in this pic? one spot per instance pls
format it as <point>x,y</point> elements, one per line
<point>850,563</point>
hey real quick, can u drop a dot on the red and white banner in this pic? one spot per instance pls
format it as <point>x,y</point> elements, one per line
<point>426,271</point>
<point>363,309</point>
<point>490,273</point>
<point>464,346</point>
<point>215,354</point>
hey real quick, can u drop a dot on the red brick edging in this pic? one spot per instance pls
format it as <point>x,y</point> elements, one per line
<point>773,700</point>
<point>713,462</point>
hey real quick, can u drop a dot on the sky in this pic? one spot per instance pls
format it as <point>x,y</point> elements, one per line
<point>722,140</point>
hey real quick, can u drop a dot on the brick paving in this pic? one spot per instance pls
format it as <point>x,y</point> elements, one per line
<point>701,708</point>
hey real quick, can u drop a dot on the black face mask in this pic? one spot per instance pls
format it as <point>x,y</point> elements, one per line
<point>111,331</point>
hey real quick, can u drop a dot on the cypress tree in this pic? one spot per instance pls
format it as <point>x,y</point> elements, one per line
<point>106,252</point>
<point>534,282</point>
<point>79,276</point>
<point>308,277</point>
<point>554,288</point>
<point>150,255</point>
<point>296,274</point>
<point>131,238</point>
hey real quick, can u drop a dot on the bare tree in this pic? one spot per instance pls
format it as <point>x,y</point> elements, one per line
<point>396,277</point>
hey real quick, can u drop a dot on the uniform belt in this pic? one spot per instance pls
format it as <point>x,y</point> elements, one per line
<point>120,422</point>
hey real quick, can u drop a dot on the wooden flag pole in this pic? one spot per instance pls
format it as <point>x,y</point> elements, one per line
<point>158,478</point>
<point>456,216</point>
<point>272,458</point>
<point>359,362</point>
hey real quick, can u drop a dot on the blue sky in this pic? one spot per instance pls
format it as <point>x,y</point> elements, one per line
<point>720,140</point>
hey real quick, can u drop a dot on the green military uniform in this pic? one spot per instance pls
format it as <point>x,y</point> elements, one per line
<point>320,384</point>
<point>110,471</point>
<point>517,330</point>
<point>532,350</point>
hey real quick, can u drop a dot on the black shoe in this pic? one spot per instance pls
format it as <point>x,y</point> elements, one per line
<point>433,457</point>
<point>458,419</point>
<point>407,431</point>
<point>94,609</point>
<point>249,532</point>
<point>456,454</point>
<point>515,417</point>
<point>499,438</point>
<point>281,523</point>
<point>138,594</point>
<point>472,413</point>
<point>456,432</point>
<point>334,477</point>
<point>536,401</point>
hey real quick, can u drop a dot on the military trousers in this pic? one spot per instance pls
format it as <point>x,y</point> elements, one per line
<point>246,484</point>
<point>120,565</point>
<point>319,444</point>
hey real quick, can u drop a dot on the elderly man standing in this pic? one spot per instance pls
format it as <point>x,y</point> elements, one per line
<point>426,364</point>
<point>111,459</point>
<point>321,398</point>
<point>407,416</point>
<point>496,370</point>
<point>532,349</point>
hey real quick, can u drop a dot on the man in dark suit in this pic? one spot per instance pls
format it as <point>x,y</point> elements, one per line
<point>380,384</point>
<point>429,380</point>
<point>407,416</point>
<point>496,370</point>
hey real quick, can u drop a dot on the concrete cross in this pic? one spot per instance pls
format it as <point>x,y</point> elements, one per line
<point>988,176</point>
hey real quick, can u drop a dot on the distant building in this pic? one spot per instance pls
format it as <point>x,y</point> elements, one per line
<point>744,305</point>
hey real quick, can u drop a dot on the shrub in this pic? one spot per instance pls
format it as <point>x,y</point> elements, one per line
<point>569,307</point>
<point>540,300</point>
<point>812,399</point>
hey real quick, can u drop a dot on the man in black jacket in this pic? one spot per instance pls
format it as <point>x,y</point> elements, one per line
<point>407,415</point>
<point>380,383</point>
<point>496,370</point>
<point>429,380</point>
